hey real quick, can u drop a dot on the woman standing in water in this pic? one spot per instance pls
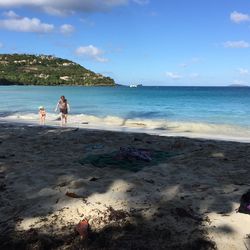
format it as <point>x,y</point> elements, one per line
<point>64,109</point>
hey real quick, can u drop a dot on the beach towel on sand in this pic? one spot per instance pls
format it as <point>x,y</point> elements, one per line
<point>128,158</point>
<point>134,153</point>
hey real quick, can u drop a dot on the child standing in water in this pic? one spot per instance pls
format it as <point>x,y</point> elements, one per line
<point>42,115</point>
<point>64,109</point>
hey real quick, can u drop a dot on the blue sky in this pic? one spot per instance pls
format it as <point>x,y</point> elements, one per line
<point>152,42</point>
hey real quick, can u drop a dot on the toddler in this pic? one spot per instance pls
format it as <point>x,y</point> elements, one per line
<point>42,115</point>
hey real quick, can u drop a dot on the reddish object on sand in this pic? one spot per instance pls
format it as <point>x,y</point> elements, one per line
<point>82,228</point>
<point>73,195</point>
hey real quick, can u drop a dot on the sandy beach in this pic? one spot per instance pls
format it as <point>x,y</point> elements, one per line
<point>185,197</point>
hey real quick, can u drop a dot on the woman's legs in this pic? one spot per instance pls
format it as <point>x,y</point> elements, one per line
<point>63,119</point>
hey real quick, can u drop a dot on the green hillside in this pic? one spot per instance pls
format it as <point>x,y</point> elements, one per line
<point>23,69</point>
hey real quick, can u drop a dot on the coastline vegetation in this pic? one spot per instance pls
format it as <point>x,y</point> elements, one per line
<point>26,69</point>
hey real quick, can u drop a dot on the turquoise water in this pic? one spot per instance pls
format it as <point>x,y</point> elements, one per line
<point>206,105</point>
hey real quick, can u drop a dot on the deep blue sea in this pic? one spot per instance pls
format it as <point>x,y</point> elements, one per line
<point>205,110</point>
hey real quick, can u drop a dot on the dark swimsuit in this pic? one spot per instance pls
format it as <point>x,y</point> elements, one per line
<point>64,111</point>
<point>63,108</point>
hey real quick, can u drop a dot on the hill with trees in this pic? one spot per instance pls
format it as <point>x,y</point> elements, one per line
<point>25,69</point>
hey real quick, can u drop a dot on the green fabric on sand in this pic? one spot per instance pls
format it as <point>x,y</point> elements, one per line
<point>112,160</point>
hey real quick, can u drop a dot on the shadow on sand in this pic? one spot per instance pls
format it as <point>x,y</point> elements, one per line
<point>176,221</point>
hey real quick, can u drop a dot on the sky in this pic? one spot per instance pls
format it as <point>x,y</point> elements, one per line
<point>149,42</point>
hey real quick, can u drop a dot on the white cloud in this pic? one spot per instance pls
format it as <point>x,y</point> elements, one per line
<point>91,52</point>
<point>1,45</point>
<point>243,71</point>
<point>174,76</point>
<point>67,29</point>
<point>63,7</point>
<point>26,24</point>
<point>238,17</point>
<point>15,22</point>
<point>55,11</point>
<point>236,44</point>
<point>11,14</point>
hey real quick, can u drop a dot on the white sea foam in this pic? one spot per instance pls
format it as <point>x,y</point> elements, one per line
<point>160,127</point>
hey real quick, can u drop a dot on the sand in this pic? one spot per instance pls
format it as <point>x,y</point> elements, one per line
<point>188,200</point>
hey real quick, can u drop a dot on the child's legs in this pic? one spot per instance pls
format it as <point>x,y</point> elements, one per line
<point>40,119</point>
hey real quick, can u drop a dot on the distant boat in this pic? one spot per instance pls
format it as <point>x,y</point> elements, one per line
<point>135,85</point>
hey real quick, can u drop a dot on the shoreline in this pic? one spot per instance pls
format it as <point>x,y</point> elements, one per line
<point>138,128</point>
<point>51,178</point>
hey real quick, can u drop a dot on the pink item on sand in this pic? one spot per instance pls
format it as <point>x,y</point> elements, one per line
<point>82,228</point>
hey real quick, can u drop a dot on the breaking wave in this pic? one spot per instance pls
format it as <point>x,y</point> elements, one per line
<point>153,126</point>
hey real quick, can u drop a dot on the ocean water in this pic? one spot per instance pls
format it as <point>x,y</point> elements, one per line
<point>214,112</point>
